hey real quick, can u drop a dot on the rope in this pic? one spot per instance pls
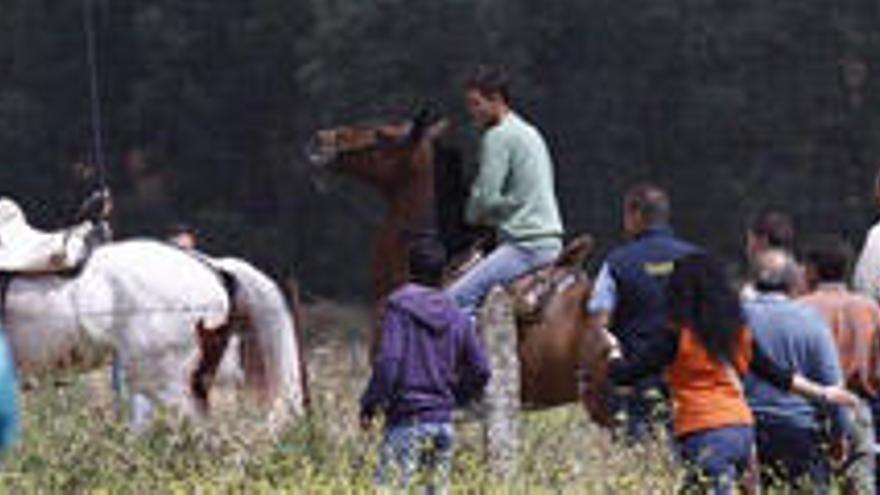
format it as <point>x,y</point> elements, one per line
<point>94,92</point>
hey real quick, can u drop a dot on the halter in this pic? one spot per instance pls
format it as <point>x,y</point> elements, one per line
<point>381,142</point>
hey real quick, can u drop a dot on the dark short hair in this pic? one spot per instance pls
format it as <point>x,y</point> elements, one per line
<point>427,260</point>
<point>774,226</point>
<point>178,228</point>
<point>830,257</point>
<point>650,201</point>
<point>489,81</point>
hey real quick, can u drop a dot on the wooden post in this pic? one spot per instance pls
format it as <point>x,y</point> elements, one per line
<point>502,398</point>
<point>296,307</point>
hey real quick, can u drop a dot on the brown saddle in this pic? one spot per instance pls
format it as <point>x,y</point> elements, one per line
<point>531,292</point>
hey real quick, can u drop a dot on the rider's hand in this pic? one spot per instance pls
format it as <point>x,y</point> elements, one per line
<point>97,207</point>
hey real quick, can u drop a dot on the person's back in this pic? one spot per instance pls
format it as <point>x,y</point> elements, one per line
<point>430,361</point>
<point>432,343</point>
<point>790,440</point>
<point>629,297</point>
<point>797,338</point>
<point>640,270</point>
<point>528,211</point>
<point>855,325</point>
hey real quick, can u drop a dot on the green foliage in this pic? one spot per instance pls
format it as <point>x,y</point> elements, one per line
<point>732,105</point>
<point>72,444</point>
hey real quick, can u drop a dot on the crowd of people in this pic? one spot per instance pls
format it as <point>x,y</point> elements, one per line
<point>770,382</point>
<point>779,376</point>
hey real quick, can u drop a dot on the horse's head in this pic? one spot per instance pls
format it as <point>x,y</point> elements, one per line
<point>382,155</point>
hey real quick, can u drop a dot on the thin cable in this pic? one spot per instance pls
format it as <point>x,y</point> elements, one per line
<point>94,91</point>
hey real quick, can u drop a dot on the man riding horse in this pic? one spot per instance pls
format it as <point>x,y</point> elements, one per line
<point>513,192</point>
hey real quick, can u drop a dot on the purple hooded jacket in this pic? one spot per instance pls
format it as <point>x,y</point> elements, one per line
<point>430,359</point>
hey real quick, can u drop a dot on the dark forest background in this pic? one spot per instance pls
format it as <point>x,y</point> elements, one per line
<point>207,106</point>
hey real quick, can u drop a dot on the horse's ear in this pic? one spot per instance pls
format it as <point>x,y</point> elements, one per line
<point>420,124</point>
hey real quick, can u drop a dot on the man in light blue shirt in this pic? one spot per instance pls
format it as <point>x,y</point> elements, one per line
<point>513,192</point>
<point>789,438</point>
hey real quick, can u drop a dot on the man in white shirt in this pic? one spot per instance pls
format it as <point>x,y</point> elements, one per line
<point>866,276</point>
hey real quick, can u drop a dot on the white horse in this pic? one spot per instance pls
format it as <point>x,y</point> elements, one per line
<point>168,317</point>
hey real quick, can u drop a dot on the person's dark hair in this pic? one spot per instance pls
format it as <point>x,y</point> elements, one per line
<point>702,299</point>
<point>830,257</point>
<point>489,81</point>
<point>178,228</point>
<point>776,227</point>
<point>650,201</point>
<point>427,259</point>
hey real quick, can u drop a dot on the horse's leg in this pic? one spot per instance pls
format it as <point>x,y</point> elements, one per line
<point>502,396</point>
<point>382,260</point>
<point>140,407</point>
<point>117,381</point>
<point>140,412</point>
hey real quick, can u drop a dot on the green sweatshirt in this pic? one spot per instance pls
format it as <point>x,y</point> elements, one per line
<point>514,190</point>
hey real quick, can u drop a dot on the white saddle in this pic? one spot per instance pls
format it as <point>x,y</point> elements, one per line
<point>26,249</point>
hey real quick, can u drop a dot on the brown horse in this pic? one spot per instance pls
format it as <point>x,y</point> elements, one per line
<point>422,184</point>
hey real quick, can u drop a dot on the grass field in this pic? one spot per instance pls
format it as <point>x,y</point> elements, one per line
<point>72,442</point>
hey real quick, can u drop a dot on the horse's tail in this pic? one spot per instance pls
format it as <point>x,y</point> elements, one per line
<point>270,350</point>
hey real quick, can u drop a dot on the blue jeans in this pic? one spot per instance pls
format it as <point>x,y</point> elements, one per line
<point>792,456</point>
<point>645,409</point>
<point>140,410</point>
<point>411,447</point>
<point>874,403</point>
<point>505,264</point>
<point>716,458</point>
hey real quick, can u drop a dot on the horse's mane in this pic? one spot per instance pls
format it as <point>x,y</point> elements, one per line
<point>451,191</point>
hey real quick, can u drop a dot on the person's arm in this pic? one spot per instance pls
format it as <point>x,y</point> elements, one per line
<point>827,371</point>
<point>765,368</point>
<point>386,366</point>
<point>603,299</point>
<point>474,373</point>
<point>487,203</point>
<point>866,276</point>
<point>658,353</point>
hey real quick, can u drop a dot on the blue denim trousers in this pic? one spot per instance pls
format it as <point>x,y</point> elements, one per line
<point>506,263</point>
<point>642,412</point>
<point>410,448</point>
<point>792,456</point>
<point>716,458</point>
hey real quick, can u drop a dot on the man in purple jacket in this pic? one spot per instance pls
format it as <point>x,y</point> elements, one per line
<point>430,361</point>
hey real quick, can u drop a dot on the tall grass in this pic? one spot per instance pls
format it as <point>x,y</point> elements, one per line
<point>73,443</point>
